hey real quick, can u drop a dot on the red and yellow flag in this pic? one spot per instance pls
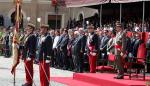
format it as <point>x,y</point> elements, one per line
<point>15,45</point>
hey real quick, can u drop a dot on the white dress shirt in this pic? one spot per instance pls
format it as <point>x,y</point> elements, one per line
<point>55,41</point>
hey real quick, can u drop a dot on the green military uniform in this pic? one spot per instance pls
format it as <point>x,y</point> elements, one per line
<point>120,44</point>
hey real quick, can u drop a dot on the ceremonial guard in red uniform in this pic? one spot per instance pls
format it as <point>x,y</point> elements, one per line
<point>45,53</point>
<point>92,48</point>
<point>29,53</point>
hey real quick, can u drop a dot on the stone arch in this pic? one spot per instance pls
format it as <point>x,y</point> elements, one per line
<point>13,10</point>
<point>23,15</point>
<point>79,14</point>
<point>13,15</point>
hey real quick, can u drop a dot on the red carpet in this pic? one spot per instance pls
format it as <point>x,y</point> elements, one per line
<point>98,79</point>
<point>71,81</point>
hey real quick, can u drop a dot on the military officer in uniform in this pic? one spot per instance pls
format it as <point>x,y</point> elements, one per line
<point>29,53</point>
<point>45,53</point>
<point>120,44</point>
<point>92,48</point>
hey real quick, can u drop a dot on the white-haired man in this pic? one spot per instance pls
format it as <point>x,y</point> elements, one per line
<point>76,51</point>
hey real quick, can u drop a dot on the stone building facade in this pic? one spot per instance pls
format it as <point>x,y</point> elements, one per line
<point>44,10</point>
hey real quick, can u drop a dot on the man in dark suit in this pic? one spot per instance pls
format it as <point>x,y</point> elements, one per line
<point>56,39</point>
<point>52,34</point>
<point>6,38</point>
<point>58,57</point>
<point>45,53</point>
<point>82,38</point>
<point>133,39</point>
<point>69,47</point>
<point>100,36</point>
<point>63,49</point>
<point>103,45</point>
<point>29,53</point>
<point>92,48</point>
<point>136,45</point>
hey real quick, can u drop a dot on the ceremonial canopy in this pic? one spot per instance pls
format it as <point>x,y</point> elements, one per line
<point>80,3</point>
<point>126,1</point>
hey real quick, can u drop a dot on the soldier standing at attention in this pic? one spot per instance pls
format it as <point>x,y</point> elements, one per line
<point>120,43</point>
<point>92,48</point>
<point>29,53</point>
<point>45,53</point>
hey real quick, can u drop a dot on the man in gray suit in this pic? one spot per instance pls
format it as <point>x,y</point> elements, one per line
<point>120,44</point>
<point>76,52</point>
<point>103,45</point>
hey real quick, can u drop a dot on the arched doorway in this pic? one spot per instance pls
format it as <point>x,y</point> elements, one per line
<point>80,16</point>
<point>13,19</point>
<point>80,20</point>
<point>96,21</point>
<point>1,20</point>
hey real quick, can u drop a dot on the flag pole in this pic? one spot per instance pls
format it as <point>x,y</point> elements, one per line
<point>16,41</point>
<point>14,77</point>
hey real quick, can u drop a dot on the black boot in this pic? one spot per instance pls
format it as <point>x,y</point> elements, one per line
<point>27,84</point>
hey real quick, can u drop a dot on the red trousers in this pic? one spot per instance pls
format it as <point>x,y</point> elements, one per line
<point>44,73</point>
<point>92,63</point>
<point>29,71</point>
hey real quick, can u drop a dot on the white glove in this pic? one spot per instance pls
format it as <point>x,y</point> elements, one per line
<point>108,53</point>
<point>47,61</point>
<point>28,59</point>
<point>121,54</point>
<point>103,54</point>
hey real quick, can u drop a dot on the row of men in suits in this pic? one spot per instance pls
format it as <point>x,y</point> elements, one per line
<point>69,47</point>
<point>76,46</point>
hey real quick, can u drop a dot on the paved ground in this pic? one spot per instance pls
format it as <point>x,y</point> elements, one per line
<point>6,79</point>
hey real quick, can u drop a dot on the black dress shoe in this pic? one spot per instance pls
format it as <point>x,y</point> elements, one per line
<point>27,84</point>
<point>119,77</point>
<point>64,68</point>
<point>75,70</point>
<point>69,69</point>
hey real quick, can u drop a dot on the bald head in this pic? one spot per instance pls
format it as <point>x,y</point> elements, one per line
<point>76,34</point>
<point>81,30</point>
